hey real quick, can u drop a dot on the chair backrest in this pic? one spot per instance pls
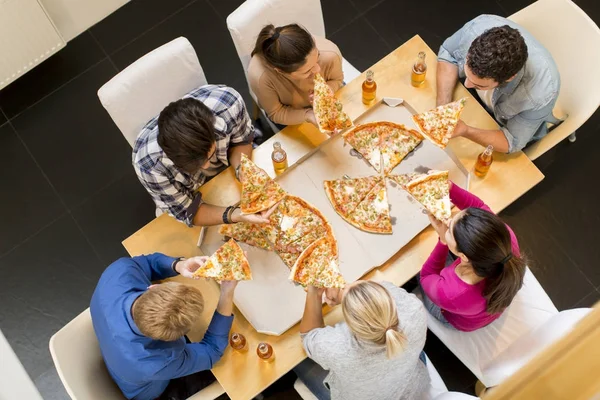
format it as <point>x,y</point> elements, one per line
<point>143,89</point>
<point>76,355</point>
<point>532,343</point>
<point>530,308</point>
<point>248,19</point>
<point>573,39</point>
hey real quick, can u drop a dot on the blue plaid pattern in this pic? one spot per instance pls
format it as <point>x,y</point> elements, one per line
<point>172,189</point>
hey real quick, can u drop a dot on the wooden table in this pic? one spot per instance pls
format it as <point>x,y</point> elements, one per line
<point>243,375</point>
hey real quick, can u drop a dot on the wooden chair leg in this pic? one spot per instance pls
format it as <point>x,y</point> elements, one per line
<point>480,389</point>
<point>573,137</point>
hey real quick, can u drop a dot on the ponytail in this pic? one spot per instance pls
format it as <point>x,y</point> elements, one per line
<point>485,240</point>
<point>371,314</point>
<point>284,47</point>
<point>501,289</point>
<point>395,342</point>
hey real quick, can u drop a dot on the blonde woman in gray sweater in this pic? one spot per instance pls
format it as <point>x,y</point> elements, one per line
<point>376,353</point>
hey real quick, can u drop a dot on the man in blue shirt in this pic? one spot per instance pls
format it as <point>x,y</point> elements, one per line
<point>141,327</point>
<point>514,75</point>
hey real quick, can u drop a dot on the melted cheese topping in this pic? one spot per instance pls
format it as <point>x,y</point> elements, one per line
<point>287,223</point>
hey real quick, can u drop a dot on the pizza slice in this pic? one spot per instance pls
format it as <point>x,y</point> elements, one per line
<point>318,265</point>
<point>433,192</point>
<point>345,194</point>
<point>438,124</point>
<point>328,110</point>
<point>245,232</point>
<point>373,213</point>
<point>366,139</point>
<point>404,179</point>
<point>396,143</point>
<point>227,263</point>
<point>295,219</point>
<point>259,191</point>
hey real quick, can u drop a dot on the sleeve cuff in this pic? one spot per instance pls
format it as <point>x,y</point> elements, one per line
<point>167,263</point>
<point>444,55</point>
<point>220,324</point>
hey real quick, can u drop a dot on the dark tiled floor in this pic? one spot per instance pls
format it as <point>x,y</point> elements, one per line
<point>72,197</point>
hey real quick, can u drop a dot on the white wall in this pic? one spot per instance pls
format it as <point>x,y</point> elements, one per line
<point>14,381</point>
<point>72,17</point>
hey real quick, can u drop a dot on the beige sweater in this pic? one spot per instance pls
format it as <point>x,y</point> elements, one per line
<point>286,101</point>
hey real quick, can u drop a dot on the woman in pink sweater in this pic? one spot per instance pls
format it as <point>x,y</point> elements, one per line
<point>483,273</point>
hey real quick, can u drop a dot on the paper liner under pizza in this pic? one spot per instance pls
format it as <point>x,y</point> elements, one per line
<point>228,263</point>
<point>328,110</point>
<point>259,191</point>
<point>438,124</point>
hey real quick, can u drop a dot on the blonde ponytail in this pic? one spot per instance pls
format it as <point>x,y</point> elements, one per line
<point>395,342</point>
<point>371,314</point>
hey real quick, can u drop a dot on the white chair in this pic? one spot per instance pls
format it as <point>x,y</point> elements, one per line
<point>76,355</point>
<point>487,351</point>
<point>248,19</point>
<point>143,89</point>
<point>437,389</point>
<point>140,92</point>
<point>573,39</point>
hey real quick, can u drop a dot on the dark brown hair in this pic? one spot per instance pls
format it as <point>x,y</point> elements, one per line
<point>285,47</point>
<point>498,53</point>
<point>485,240</point>
<point>186,133</point>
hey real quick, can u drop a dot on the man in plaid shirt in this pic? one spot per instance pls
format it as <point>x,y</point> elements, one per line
<point>192,140</point>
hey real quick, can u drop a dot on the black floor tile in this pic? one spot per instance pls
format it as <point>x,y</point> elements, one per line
<point>455,375</point>
<point>589,300</point>
<point>73,138</point>
<point>132,20</point>
<point>79,54</point>
<point>197,23</point>
<point>337,13</point>
<point>360,44</point>
<point>114,214</point>
<point>28,203</point>
<point>442,21</point>
<point>225,7</point>
<point>2,118</point>
<point>47,281</point>
<point>512,6</point>
<point>364,5</point>
<point>549,260</point>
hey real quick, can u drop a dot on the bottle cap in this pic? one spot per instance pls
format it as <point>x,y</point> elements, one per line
<point>489,149</point>
<point>370,74</point>
<point>276,145</point>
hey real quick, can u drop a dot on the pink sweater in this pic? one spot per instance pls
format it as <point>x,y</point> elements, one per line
<point>462,304</point>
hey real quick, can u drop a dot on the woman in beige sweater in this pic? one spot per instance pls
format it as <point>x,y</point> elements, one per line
<point>284,62</point>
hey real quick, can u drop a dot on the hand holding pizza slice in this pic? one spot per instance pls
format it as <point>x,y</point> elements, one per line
<point>228,263</point>
<point>327,109</point>
<point>259,191</point>
<point>318,266</point>
<point>438,125</point>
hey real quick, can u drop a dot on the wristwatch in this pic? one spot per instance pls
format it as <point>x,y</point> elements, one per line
<point>174,263</point>
<point>237,172</point>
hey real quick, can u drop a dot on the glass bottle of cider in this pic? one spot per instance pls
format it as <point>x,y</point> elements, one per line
<point>238,342</point>
<point>279,158</point>
<point>369,88</point>
<point>419,70</point>
<point>265,352</point>
<point>484,161</point>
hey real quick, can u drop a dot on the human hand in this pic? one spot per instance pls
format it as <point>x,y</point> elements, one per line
<point>187,267</point>
<point>311,96</point>
<point>460,129</point>
<point>314,291</point>
<point>258,218</point>
<point>440,227</point>
<point>228,287</point>
<point>333,296</point>
<point>310,117</point>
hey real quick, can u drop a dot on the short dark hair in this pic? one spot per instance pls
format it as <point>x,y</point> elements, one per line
<point>186,133</point>
<point>498,53</point>
<point>285,47</point>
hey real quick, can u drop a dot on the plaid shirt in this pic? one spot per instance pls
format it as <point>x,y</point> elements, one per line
<point>172,189</point>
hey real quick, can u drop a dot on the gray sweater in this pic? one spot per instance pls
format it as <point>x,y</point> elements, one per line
<point>360,370</point>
